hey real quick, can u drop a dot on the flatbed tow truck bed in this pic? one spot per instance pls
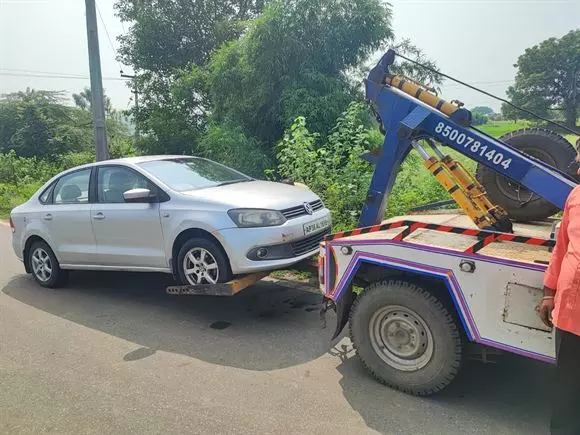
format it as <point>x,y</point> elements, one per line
<point>453,218</point>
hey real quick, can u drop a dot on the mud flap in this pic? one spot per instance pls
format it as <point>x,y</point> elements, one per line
<point>342,308</point>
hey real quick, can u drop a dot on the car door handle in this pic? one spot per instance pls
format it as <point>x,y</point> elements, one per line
<point>99,216</point>
<point>47,217</point>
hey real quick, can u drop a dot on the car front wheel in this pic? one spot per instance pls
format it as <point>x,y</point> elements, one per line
<point>201,261</point>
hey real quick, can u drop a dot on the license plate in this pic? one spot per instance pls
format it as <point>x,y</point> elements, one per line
<point>317,225</point>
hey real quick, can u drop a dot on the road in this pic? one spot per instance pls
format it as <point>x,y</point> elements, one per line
<point>112,353</point>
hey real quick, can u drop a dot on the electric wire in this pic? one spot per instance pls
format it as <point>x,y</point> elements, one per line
<point>503,100</point>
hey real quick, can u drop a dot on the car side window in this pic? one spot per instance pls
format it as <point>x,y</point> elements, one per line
<point>73,188</point>
<point>46,196</point>
<point>113,181</point>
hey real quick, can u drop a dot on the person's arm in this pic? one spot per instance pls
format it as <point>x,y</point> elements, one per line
<point>553,271</point>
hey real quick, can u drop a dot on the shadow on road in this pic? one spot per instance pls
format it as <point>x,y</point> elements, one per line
<point>268,327</point>
<point>264,327</point>
<point>509,397</point>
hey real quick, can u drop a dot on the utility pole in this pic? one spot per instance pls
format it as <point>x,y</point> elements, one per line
<point>136,94</point>
<point>97,103</point>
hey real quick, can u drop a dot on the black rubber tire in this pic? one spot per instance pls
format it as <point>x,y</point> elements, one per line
<point>225,271</point>
<point>537,142</point>
<point>447,356</point>
<point>58,278</point>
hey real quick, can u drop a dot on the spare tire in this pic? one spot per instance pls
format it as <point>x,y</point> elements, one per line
<point>520,203</point>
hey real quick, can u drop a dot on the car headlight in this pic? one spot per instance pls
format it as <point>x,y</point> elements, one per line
<point>248,217</point>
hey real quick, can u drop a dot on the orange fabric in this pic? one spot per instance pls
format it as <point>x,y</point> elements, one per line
<point>563,274</point>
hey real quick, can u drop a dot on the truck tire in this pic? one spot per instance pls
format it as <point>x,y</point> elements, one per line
<point>520,203</point>
<point>405,337</point>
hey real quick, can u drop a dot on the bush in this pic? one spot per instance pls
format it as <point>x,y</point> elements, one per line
<point>12,195</point>
<point>334,170</point>
<point>227,144</point>
<point>20,177</point>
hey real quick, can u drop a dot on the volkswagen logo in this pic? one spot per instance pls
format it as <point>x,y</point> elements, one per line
<point>308,208</point>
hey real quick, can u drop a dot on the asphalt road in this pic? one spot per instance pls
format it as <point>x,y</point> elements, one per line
<point>112,353</point>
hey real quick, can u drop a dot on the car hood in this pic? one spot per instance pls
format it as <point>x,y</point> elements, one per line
<point>255,194</point>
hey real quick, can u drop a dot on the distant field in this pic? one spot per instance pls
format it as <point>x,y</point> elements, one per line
<point>500,128</point>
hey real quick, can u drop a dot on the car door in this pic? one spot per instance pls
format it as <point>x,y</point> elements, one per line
<point>66,220</point>
<point>127,234</point>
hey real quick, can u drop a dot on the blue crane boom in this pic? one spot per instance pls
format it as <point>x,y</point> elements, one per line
<point>407,118</point>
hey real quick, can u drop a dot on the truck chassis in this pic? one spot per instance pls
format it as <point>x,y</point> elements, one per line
<point>430,289</point>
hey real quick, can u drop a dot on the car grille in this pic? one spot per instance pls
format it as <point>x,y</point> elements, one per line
<point>308,244</point>
<point>299,210</point>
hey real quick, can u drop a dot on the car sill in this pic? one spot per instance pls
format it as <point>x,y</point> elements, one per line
<point>114,268</point>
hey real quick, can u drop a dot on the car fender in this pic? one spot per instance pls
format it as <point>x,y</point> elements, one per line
<point>209,221</point>
<point>34,229</point>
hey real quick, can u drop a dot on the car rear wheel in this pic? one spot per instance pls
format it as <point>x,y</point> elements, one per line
<point>201,261</point>
<point>44,266</point>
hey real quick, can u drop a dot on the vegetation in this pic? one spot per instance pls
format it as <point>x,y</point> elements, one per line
<point>267,87</point>
<point>41,136</point>
<point>249,69</point>
<point>548,80</point>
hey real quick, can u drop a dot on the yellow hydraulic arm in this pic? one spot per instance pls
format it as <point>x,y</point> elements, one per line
<point>467,192</point>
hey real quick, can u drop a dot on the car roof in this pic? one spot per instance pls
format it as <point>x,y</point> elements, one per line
<point>124,161</point>
<point>142,159</point>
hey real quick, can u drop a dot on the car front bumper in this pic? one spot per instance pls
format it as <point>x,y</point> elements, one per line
<point>287,241</point>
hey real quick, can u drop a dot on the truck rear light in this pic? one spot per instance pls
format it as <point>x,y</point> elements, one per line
<point>12,225</point>
<point>321,258</point>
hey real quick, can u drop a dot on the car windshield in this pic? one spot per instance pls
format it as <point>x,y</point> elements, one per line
<point>193,173</point>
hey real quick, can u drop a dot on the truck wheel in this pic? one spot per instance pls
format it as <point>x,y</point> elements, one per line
<point>201,261</point>
<point>405,337</point>
<point>520,203</point>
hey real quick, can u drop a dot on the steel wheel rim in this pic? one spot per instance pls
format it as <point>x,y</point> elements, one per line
<point>200,267</point>
<point>401,338</point>
<point>514,190</point>
<point>41,264</point>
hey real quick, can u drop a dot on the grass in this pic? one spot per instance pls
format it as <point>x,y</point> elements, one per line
<point>11,196</point>
<point>499,128</point>
<point>292,275</point>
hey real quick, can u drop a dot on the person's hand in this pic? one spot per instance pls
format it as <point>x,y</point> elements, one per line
<point>546,307</point>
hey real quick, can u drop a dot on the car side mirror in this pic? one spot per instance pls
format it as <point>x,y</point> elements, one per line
<point>139,195</point>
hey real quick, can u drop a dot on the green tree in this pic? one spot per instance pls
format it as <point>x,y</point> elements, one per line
<point>548,79</point>
<point>38,124</point>
<point>83,100</point>
<point>292,61</point>
<point>479,118</point>
<point>165,38</point>
<point>484,110</point>
<point>167,35</point>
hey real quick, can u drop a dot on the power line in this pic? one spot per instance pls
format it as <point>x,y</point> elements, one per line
<point>108,36</point>
<point>56,76</point>
<point>492,83</point>
<point>503,100</point>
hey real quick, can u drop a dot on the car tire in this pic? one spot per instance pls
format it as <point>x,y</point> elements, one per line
<point>202,261</point>
<point>405,337</point>
<point>44,266</point>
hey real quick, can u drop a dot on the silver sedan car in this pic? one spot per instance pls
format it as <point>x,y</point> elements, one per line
<point>196,219</point>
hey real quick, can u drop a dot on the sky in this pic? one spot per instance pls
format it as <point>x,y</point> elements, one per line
<point>476,41</point>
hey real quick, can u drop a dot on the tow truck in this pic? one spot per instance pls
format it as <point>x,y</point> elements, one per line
<point>420,293</point>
